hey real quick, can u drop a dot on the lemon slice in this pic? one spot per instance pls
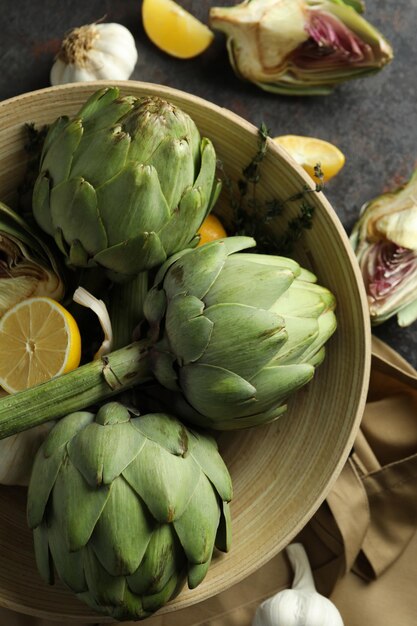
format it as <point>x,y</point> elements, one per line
<point>39,340</point>
<point>211,229</point>
<point>308,151</point>
<point>174,30</point>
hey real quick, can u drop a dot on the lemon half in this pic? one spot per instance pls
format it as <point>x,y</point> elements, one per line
<point>39,340</point>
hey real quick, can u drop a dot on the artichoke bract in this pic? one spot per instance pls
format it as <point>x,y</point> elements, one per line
<point>27,266</point>
<point>127,509</point>
<point>300,47</point>
<point>125,183</point>
<point>385,242</point>
<point>236,333</point>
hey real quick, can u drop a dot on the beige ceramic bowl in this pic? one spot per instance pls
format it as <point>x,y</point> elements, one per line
<point>281,472</point>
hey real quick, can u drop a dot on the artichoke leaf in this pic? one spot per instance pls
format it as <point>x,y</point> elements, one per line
<point>215,391</point>
<point>197,573</point>
<point>104,588</point>
<point>198,270</point>
<point>44,473</point>
<point>101,155</point>
<point>103,109</point>
<point>164,481</point>
<point>188,331</point>
<point>42,554</point>
<point>275,281</point>
<point>57,160</point>
<point>165,430</point>
<point>197,527</point>
<point>224,531</point>
<point>64,431</point>
<point>76,506</point>
<point>163,558</point>
<point>155,601</point>
<point>132,203</point>
<point>246,347</point>
<point>213,466</point>
<point>120,541</point>
<point>129,258</point>
<point>101,453</point>
<point>174,158</point>
<point>80,221</point>
<point>69,565</point>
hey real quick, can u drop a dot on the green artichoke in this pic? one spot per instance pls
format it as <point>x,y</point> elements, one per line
<point>127,508</point>
<point>236,333</point>
<point>27,266</point>
<point>300,47</point>
<point>385,242</point>
<point>125,183</point>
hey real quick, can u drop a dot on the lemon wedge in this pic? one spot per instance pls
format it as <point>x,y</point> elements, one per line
<point>39,340</point>
<point>308,151</point>
<point>211,229</point>
<point>174,30</point>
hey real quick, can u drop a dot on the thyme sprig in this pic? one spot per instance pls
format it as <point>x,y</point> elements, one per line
<point>255,218</point>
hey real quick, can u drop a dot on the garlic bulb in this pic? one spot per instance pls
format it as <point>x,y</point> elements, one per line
<point>18,452</point>
<point>301,605</point>
<point>94,52</point>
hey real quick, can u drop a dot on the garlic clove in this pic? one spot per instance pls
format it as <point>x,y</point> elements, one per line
<point>301,605</point>
<point>85,298</point>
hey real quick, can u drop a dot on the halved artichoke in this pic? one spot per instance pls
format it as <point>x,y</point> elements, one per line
<point>27,266</point>
<point>385,242</point>
<point>300,47</point>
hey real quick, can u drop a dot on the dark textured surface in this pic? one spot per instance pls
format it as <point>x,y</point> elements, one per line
<point>373,120</point>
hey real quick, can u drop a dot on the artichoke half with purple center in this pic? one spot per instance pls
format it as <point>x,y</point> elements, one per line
<point>385,243</point>
<point>27,266</point>
<point>235,333</point>
<point>300,47</point>
<point>127,508</point>
<point>125,183</point>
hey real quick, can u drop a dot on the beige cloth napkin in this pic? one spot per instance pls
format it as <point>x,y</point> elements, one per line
<point>362,542</point>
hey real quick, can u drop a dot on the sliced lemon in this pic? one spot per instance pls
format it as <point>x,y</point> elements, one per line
<point>211,229</point>
<point>39,340</point>
<point>309,151</point>
<point>174,30</point>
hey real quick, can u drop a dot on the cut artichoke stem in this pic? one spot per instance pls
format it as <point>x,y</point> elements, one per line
<point>126,308</point>
<point>76,390</point>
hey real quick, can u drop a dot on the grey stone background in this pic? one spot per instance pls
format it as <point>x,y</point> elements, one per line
<point>372,120</point>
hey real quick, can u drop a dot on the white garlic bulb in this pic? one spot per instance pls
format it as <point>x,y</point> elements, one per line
<point>95,52</point>
<point>301,605</point>
<point>18,452</point>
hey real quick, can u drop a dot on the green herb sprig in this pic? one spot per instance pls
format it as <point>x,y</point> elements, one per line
<point>255,218</point>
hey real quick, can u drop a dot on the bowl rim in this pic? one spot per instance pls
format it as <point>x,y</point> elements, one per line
<point>173,93</point>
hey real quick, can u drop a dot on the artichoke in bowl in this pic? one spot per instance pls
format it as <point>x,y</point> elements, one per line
<point>235,333</point>
<point>125,183</point>
<point>128,508</point>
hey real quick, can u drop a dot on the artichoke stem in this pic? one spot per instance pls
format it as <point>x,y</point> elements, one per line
<point>126,308</point>
<point>77,390</point>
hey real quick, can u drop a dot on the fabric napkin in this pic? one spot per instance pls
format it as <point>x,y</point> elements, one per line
<point>362,542</point>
